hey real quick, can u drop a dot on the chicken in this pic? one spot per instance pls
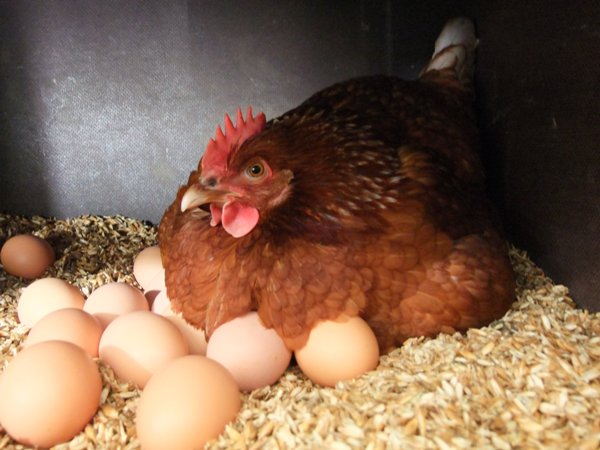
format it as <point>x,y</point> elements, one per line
<point>367,199</point>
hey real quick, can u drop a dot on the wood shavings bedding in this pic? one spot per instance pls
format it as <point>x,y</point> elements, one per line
<point>529,380</point>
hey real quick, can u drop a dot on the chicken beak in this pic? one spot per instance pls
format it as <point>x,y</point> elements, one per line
<point>195,196</point>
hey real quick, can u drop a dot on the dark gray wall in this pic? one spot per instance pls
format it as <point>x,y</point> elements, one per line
<point>106,106</point>
<point>539,95</point>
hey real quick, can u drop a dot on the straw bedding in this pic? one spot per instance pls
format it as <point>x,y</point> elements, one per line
<point>529,380</point>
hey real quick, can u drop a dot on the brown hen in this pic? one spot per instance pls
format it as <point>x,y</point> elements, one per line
<point>367,199</point>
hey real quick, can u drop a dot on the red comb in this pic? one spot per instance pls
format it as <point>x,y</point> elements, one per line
<point>218,148</point>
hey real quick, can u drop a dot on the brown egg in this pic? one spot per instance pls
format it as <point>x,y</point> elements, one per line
<point>44,296</point>
<point>111,300</point>
<point>68,324</point>
<point>255,355</point>
<point>49,392</point>
<point>26,256</point>
<point>185,404</point>
<point>338,350</point>
<point>136,344</point>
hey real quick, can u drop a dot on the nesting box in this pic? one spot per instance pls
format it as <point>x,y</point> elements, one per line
<point>107,107</point>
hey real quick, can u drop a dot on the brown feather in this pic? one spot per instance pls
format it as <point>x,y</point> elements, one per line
<point>384,216</point>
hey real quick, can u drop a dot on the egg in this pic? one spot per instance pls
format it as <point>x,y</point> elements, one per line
<point>44,296</point>
<point>147,268</point>
<point>68,324</point>
<point>157,283</point>
<point>114,299</point>
<point>149,272</point>
<point>136,344</point>
<point>195,338</point>
<point>161,303</point>
<point>49,392</point>
<point>26,256</point>
<point>186,403</point>
<point>255,355</point>
<point>338,350</point>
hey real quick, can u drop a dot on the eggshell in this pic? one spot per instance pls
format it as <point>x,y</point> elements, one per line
<point>195,338</point>
<point>49,392</point>
<point>26,256</point>
<point>157,283</point>
<point>186,403</point>
<point>44,296</point>
<point>338,350</point>
<point>114,299</point>
<point>71,325</point>
<point>147,268</point>
<point>161,304</point>
<point>136,344</point>
<point>256,356</point>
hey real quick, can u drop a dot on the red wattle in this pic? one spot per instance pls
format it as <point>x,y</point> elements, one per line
<point>239,219</point>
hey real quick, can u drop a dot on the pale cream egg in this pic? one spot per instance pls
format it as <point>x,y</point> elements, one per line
<point>111,300</point>
<point>255,355</point>
<point>44,296</point>
<point>136,344</point>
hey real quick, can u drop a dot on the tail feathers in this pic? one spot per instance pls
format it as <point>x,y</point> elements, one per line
<point>455,50</point>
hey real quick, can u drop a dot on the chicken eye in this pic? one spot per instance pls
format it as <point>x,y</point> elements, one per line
<point>255,170</point>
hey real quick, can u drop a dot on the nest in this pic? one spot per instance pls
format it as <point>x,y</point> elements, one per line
<point>529,380</point>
